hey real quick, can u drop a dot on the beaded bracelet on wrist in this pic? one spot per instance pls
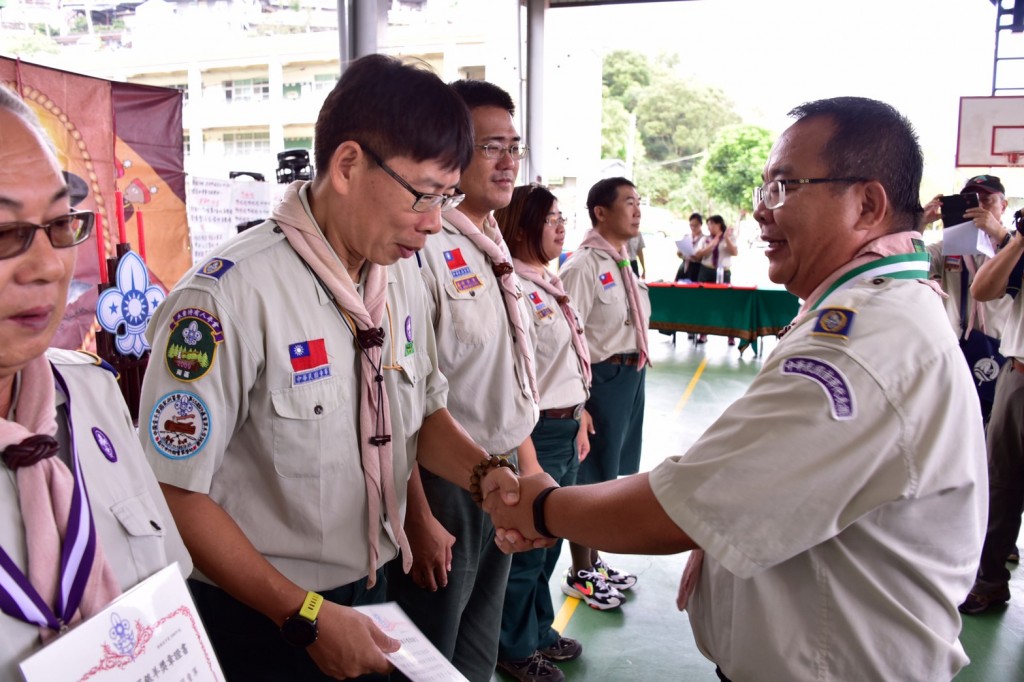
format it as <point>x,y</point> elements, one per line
<point>481,470</point>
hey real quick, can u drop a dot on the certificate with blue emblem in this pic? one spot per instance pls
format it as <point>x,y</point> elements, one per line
<point>151,632</point>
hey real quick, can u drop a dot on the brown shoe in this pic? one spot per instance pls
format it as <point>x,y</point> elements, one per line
<point>984,597</point>
<point>534,667</point>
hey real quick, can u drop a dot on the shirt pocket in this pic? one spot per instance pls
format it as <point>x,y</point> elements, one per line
<point>473,313</point>
<point>310,428</point>
<point>411,391</point>
<point>145,531</point>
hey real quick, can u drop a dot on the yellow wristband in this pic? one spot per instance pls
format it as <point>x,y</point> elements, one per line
<point>311,607</point>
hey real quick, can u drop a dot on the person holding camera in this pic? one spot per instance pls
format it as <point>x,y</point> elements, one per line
<point>1001,275</point>
<point>986,200</point>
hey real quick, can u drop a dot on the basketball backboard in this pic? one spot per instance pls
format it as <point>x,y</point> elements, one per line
<point>991,132</point>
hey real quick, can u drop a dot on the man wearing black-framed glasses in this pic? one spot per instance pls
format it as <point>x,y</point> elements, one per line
<point>295,383</point>
<point>836,510</point>
<point>455,593</point>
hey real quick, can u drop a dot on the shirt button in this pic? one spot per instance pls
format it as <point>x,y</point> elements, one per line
<point>318,409</point>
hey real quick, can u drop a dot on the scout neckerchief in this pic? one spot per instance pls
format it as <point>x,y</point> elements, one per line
<point>490,242</point>
<point>367,311</point>
<point>550,282</point>
<point>68,576</point>
<point>896,256</point>
<point>594,240</point>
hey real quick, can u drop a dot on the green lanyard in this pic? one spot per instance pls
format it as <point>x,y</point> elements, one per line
<point>901,266</point>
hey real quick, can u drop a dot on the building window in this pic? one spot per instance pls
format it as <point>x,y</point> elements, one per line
<point>246,144</point>
<point>183,87</point>
<point>188,145</point>
<point>325,82</point>
<point>247,90</point>
<point>298,143</point>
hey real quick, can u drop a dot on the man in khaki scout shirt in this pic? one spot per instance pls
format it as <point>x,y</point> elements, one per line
<point>455,593</point>
<point>598,284</point>
<point>273,363</point>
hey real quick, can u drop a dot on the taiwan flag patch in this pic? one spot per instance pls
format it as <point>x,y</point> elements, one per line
<point>607,281</point>
<point>309,361</point>
<point>456,263</point>
<point>541,308</point>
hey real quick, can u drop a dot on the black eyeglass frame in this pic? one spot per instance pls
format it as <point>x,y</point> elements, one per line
<point>425,201</point>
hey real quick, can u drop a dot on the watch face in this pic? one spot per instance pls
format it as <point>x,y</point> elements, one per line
<point>298,631</point>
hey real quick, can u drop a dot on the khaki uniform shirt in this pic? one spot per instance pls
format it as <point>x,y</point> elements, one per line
<point>252,396</point>
<point>559,375</point>
<point>594,284</point>
<point>490,395</point>
<point>133,524</point>
<point>842,507</point>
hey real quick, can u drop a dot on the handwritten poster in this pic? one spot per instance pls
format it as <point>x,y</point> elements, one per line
<point>217,207</point>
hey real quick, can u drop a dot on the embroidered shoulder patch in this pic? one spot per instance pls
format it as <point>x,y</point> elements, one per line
<point>834,322</point>
<point>831,380</point>
<point>179,425</point>
<point>216,267</point>
<point>192,344</point>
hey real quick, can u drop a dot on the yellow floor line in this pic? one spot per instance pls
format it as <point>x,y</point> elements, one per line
<point>569,605</point>
<point>692,385</point>
<point>564,614</point>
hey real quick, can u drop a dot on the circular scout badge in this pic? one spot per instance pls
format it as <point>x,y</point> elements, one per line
<point>192,345</point>
<point>179,425</point>
<point>833,321</point>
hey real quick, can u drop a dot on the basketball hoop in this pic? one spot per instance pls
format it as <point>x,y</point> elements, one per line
<point>1015,159</point>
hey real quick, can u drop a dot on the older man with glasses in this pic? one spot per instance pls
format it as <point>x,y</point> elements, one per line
<point>835,511</point>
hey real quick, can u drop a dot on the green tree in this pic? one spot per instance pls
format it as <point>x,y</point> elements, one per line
<point>625,73</point>
<point>734,164</point>
<point>616,129</point>
<point>678,118</point>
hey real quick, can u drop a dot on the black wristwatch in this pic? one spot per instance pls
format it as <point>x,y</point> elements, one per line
<point>300,629</point>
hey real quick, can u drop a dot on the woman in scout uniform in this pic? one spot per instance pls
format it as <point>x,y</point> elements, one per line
<point>66,437</point>
<point>534,230</point>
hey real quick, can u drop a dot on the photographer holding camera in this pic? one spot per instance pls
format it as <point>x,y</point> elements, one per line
<point>978,325</point>
<point>999,276</point>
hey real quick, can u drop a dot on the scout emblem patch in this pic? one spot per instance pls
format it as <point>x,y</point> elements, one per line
<point>309,361</point>
<point>462,277</point>
<point>192,345</point>
<point>409,347</point>
<point>953,264</point>
<point>831,380</point>
<point>607,281</point>
<point>179,425</point>
<point>834,322</point>
<point>215,268</point>
<point>541,309</point>
<point>106,447</point>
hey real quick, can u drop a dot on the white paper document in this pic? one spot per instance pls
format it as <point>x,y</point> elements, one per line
<point>685,247</point>
<point>151,632</point>
<point>966,239</point>
<point>418,659</point>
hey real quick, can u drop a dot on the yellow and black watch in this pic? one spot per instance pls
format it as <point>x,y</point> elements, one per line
<point>300,629</point>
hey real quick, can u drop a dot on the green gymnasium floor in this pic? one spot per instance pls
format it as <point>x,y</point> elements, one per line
<point>648,639</point>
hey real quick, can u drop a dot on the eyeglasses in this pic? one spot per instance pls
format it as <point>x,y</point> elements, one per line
<point>496,151</point>
<point>773,194</point>
<point>68,230</point>
<point>555,220</point>
<point>424,202</point>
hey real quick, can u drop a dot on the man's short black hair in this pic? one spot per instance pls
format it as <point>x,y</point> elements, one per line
<point>604,193</point>
<point>873,140</point>
<point>698,217</point>
<point>476,93</point>
<point>395,109</point>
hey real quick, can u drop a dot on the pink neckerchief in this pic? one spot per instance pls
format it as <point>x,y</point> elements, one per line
<point>594,240</point>
<point>490,242</point>
<point>68,576</point>
<point>367,312</point>
<point>886,245</point>
<point>550,282</point>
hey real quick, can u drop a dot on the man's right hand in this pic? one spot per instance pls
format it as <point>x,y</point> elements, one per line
<point>350,644</point>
